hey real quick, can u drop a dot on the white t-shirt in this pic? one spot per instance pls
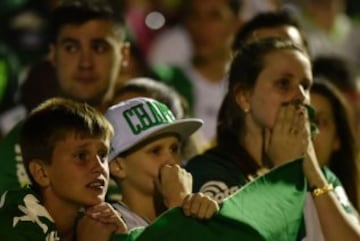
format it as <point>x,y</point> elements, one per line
<point>208,97</point>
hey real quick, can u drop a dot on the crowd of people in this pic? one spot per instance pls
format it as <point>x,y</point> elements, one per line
<point>113,140</point>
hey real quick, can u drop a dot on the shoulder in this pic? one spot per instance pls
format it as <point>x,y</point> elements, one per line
<point>11,138</point>
<point>214,175</point>
<point>22,217</point>
<point>132,219</point>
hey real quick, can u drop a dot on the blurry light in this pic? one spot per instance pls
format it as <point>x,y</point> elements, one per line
<point>155,20</point>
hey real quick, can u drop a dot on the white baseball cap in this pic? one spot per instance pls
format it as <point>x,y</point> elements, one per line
<point>138,119</point>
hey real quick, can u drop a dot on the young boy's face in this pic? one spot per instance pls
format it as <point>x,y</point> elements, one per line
<point>79,172</point>
<point>141,168</point>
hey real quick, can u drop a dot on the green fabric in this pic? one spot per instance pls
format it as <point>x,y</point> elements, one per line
<point>12,169</point>
<point>175,77</point>
<point>23,218</point>
<point>3,78</point>
<point>270,208</point>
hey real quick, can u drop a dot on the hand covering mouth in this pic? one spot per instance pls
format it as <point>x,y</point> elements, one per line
<point>311,113</point>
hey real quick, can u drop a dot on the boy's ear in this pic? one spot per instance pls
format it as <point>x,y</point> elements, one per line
<point>38,171</point>
<point>118,168</point>
<point>51,55</point>
<point>242,98</point>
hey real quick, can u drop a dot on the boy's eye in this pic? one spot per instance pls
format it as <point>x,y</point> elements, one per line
<point>103,155</point>
<point>81,155</point>
<point>175,148</point>
<point>155,150</point>
<point>100,47</point>
<point>70,47</point>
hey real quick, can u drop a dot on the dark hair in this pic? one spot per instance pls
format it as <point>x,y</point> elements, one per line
<point>244,70</point>
<point>52,121</point>
<point>343,161</point>
<point>157,90</point>
<point>336,70</point>
<point>81,11</point>
<point>269,19</point>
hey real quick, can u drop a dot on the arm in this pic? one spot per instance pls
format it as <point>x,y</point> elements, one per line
<point>332,217</point>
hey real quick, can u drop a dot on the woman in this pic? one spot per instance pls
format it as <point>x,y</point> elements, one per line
<point>263,122</point>
<point>336,145</point>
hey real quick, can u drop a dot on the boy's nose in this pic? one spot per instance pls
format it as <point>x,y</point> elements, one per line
<point>171,158</point>
<point>86,59</point>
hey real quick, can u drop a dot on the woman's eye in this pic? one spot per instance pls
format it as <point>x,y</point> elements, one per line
<point>283,83</point>
<point>81,155</point>
<point>321,122</point>
<point>306,86</point>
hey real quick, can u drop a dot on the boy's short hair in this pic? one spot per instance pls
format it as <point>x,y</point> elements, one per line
<point>81,11</point>
<point>52,121</point>
<point>270,19</point>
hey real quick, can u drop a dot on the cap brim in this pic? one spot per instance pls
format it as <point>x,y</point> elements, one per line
<point>182,127</point>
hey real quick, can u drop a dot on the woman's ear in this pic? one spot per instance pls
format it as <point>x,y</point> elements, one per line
<point>118,168</point>
<point>39,172</point>
<point>337,144</point>
<point>242,98</point>
<point>125,54</point>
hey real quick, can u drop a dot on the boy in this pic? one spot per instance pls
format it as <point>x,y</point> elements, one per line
<point>65,149</point>
<point>144,161</point>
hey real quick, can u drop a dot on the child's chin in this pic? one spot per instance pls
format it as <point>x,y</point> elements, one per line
<point>94,201</point>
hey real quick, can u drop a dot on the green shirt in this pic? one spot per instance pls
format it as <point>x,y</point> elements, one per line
<point>23,217</point>
<point>218,178</point>
<point>12,169</point>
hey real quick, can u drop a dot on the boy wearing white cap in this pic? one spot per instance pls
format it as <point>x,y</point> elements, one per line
<point>144,161</point>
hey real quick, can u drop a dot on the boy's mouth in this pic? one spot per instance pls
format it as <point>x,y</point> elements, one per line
<point>97,184</point>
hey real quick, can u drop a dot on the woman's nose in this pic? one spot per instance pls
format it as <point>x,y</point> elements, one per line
<point>301,94</point>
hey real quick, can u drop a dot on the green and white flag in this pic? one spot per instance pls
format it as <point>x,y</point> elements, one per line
<point>269,208</point>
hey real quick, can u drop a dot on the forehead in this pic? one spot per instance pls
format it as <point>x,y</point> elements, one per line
<point>285,31</point>
<point>93,29</point>
<point>209,6</point>
<point>289,61</point>
<point>75,139</point>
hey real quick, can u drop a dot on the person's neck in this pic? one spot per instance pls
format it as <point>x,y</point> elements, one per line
<point>64,217</point>
<point>253,142</point>
<point>142,205</point>
<point>212,69</point>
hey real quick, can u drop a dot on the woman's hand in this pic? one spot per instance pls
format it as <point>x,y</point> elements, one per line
<point>289,138</point>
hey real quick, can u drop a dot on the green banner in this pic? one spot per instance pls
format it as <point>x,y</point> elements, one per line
<point>269,208</point>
